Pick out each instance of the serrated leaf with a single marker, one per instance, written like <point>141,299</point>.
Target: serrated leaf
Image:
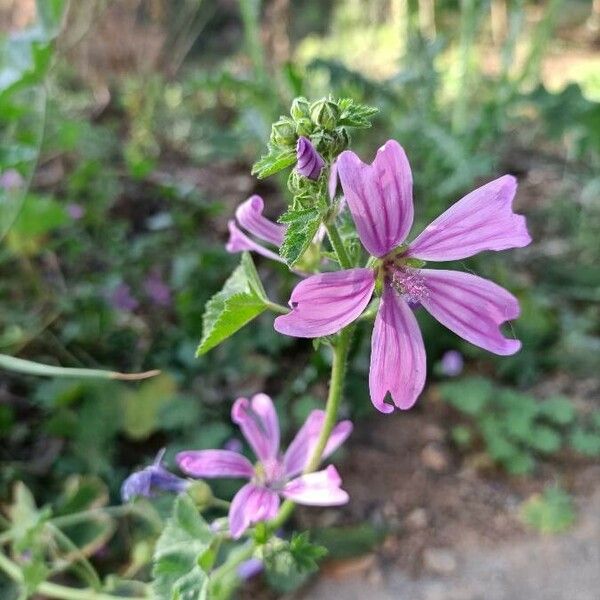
<point>186,537</point>
<point>469,395</point>
<point>242,299</point>
<point>302,226</point>
<point>355,115</point>
<point>273,162</point>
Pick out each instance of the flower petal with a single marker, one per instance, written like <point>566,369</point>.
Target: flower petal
<point>302,446</point>
<point>251,505</point>
<point>250,216</point>
<point>379,196</point>
<point>325,303</point>
<point>214,463</point>
<point>398,362</point>
<point>482,220</point>
<point>317,489</point>
<point>472,307</point>
<point>239,242</point>
<point>259,423</point>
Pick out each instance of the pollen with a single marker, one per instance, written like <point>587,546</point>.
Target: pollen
<point>407,282</point>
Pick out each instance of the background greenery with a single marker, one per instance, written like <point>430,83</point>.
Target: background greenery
<point>128,131</point>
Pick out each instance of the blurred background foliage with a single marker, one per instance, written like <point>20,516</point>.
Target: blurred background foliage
<point>128,131</point>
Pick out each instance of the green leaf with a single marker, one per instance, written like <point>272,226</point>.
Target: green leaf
<point>544,439</point>
<point>305,553</point>
<point>347,542</point>
<point>585,442</point>
<point>559,410</point>
<point>242,299</point>
<point>273,162</point>
<point>355,115</point>
<point>550,512</point>
<point>50,14</point>
<point>469,395</point>
<point>142,407</point>
<point>303,225</point>
<point>184,541</point>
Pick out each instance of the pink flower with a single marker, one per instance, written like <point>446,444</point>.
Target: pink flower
<point>249,215</point>
<point>380,199</point>
<point>274,475</point>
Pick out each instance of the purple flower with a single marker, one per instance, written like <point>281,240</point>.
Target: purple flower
<point>310,162</point>
<point>452,363</point>
<point>121,299</point>
<point>158,291</point>
<point>11,179</point>
<point>380,199</point>
<point>249,568</point>
<point>144,482</point>
<point>274,474</point>
<point>75,211</point>
<point>249,215</point>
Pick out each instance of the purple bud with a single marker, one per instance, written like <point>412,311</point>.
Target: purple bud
<point>249,568</point>
<point>75,211</point>
<point>310,162</point>
<point>452,363</point>
<point>144,482</point>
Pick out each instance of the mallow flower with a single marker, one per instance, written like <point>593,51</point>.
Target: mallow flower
<point>275,475</point>
<point>249,216</point>
<point>148,480</point>
<point>380,199</point>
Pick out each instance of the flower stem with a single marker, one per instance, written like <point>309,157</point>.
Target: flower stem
<point>338,246</point>
<point>278,308</point>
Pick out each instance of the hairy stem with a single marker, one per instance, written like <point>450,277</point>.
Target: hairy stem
<point>338,246</point>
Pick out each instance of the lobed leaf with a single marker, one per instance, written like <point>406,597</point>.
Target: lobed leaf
<point>273,162</point>
<point>242,299</point>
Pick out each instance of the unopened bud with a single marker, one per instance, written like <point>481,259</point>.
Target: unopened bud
<point>300,109</point>
<point>304,126</point>
<point>325,114</point>
<point>283,132</point>
<point>310,162</point>
<point>200,493</point>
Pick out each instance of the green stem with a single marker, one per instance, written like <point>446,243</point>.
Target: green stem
<point>278,308</point>
<point>113,511</point>
<point>52,590</point>
<point>338,246</point>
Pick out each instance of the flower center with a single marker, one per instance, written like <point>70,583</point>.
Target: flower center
<point>407,282</point>
<point>270,473</point>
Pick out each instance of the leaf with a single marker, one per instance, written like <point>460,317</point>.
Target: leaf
<point>355,115</point>
<point>305,553</point>
<point>50,14</point>
<point>242,299</point>
<point>550,512</point>
<point>142,407</point>
<point>559,410</point>
<point>303,225</point>
<point>185,539</point>
<point>273,162</point>
<point>469,395</point>
<point>544,439</point>
<point>348,542</point>
<point>585,442</point>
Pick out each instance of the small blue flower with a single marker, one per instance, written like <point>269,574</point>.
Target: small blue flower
<point>146,481</point>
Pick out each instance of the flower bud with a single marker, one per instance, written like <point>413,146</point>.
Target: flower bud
<point>310,162</point>
<point>325,114</point>
<point>283,132</point>
<point>300,109</point>
<point>200,493</point>
<point>304,126</point>
<point>340,141</point>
